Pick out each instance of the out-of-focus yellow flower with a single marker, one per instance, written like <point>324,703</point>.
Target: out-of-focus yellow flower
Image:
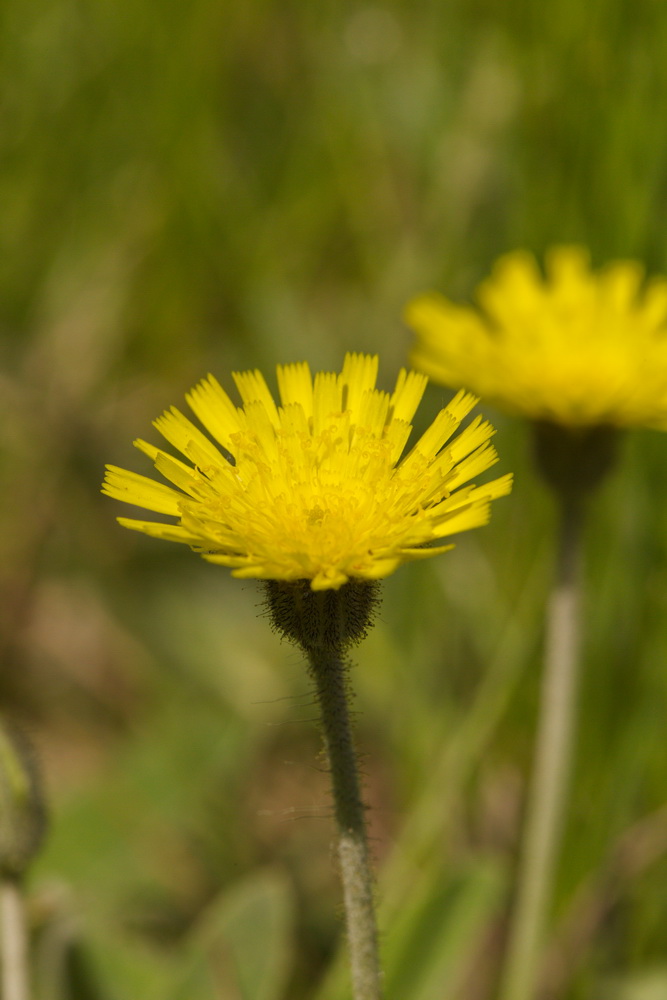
<point>576,348</point>
<point>314,489</point>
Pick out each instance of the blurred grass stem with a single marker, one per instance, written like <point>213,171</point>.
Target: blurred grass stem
<point>548,788</point>
<point>13,941</point>
<point>329,670</point>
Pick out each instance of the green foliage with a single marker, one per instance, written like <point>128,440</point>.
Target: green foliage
<point>203,186</point>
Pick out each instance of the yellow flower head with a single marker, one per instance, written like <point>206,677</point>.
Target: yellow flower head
<point>577,348</point>
<point>314,488</point>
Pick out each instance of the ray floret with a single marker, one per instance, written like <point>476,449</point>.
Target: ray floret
<point>574,347</point>
<point>313,487</point>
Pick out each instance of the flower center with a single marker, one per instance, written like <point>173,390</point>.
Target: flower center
<point>315,516</point>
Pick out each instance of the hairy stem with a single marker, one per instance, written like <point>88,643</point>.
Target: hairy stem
<point>547,793</point>
<point>328,669</point>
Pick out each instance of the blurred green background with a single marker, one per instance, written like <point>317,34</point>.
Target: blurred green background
<point>204,186</point>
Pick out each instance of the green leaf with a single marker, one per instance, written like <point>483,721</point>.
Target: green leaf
<point>427,952</point>
<point>247,935</point>
<point>646,985</point>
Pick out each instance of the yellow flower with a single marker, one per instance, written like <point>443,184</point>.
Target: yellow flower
<point>577,348</point>
<point>314,489</point>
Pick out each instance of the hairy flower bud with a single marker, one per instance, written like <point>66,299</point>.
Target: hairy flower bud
<point>326,619</point>
<point>22,813</point>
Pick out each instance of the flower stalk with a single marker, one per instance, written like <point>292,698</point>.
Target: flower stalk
<point>547,795</point>
<point>328,669</point>
<point>22,825</point>
<point>573,464</point>
<point>324,624</point>
<point>13,942</point>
